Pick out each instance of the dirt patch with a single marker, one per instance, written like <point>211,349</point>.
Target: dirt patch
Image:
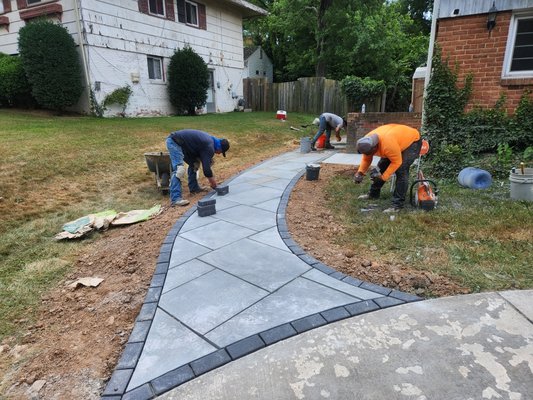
<point>71,351</point>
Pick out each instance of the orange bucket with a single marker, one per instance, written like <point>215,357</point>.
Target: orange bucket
<point>321,142</point>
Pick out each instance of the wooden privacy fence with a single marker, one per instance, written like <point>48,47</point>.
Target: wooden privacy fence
<point>306,95</point>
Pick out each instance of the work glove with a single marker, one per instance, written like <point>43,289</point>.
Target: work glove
<point>212,182</point>
<point>375,175</point>
<point>180,172</point>
<point>358,178</point>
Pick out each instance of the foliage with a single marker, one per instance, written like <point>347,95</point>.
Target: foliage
<point>372,39</point>
<point>119,96</point>
<point>465,138</point>
<point>358,90</point>
<point>15,91</point>
<point>97,109</point>
<point>52,64</point>
<point>188,80</point>
<point>528,155</point>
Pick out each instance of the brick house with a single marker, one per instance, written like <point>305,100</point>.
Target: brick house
<point>492,40</point>
<point>130,42</point>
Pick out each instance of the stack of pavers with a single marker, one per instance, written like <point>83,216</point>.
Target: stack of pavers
<point>206,207</point>
<point>222,190</point>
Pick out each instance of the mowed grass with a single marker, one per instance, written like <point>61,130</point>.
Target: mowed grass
<point>480,238</point>
<point>57,169</point>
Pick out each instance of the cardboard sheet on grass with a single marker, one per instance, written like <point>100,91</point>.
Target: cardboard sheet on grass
<point>103,220</point>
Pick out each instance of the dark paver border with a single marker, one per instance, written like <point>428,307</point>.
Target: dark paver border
<point>117,384</point>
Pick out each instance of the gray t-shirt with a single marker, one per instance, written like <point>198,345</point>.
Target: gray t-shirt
<point>333,120</point>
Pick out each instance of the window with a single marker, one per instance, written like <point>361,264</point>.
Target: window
<point>191,13</point>
<point>30,2</point>
<point>519,52</point>
<point>155,68</point>
<point>157,7</point>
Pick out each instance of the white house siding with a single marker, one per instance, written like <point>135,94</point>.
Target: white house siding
<point>118,38</point>
<point>455,8</point>
<point>256,64</point>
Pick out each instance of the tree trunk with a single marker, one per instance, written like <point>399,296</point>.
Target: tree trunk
<point>320,68</point>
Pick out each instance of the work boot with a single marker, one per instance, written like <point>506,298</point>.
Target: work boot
<point>329,146</point>
<point>313,148</point>
<point>200,189</point>
<point>179,202</point>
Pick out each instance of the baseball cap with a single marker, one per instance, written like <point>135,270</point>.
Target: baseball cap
<point>224,144</point>
<point>367,144</point>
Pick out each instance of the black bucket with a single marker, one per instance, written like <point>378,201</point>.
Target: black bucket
<point>312,171</point>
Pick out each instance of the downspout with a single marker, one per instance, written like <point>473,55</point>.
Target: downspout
<point>433,34</point>
<point>77,6</point>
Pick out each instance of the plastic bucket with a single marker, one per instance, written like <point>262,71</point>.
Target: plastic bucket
<point>321,142</point>
<point>305,145</point>
<point>521,184</point>
<point>474,178</point>
<point>312,171</point>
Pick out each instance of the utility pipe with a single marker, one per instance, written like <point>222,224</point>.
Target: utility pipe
<point>434,17</point>
<point>77,6</point>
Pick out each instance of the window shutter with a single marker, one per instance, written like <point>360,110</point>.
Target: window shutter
<point>143,6</point>
<point>181,11</point>
<point>7,5</point>
<point>21,4</point>
<point>169,8</point>
<point>202,19</point>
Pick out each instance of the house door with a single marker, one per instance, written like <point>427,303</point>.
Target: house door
<point>210,103</point>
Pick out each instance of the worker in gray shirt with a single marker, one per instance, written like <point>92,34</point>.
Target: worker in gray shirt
<point>327,122</point>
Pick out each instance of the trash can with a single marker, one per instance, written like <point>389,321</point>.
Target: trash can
<point>312,171</point>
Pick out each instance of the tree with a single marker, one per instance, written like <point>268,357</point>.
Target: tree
<point>188,81</point>
<point>51,63</point>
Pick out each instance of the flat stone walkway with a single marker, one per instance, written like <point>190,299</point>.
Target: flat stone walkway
<point>232,283</point>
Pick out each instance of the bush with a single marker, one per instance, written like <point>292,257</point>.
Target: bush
<point>52,64</point>
<point>15,90</point>
<point>188,81</point>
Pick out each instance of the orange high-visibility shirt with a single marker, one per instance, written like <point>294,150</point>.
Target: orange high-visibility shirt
<point>393,139</point>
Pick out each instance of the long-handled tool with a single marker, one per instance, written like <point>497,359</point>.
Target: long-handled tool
<point>426,194</point>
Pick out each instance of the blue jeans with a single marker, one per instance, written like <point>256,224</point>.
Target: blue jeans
<point>323,126</point>
<point>176,158</point>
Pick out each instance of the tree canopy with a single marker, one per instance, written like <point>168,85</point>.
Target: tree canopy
<point>381,40</point>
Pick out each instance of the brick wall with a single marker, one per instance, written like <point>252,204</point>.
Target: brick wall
<point>466,41</point>
<point>360,124</point>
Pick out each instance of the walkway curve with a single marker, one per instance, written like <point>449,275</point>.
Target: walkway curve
<point>230,284</point>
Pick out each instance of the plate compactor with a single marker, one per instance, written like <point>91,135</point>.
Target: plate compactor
<point>424,192</point>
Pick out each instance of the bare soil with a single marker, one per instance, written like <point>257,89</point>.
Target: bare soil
<point>72,349</point>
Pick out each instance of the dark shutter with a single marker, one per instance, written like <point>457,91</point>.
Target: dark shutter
<point>169,8</point>
<point>21,4</point>
<point>202,19</point>
<point>143,6</point>
<point>7,5</point>
<point>181,11</point>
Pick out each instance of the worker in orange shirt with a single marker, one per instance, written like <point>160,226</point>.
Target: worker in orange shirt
<point>398,146</point>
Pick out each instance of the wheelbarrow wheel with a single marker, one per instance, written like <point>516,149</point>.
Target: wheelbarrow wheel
<point>165,182</point>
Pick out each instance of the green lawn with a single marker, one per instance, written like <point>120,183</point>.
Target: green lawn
<point>56,169</point>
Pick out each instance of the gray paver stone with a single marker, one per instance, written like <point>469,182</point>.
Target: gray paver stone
<point>207,202</point>
<point>140,331</point>
<point>278,333</point>
<point>158,280</point>
<point>161,268</point>
<point>210,362</point>
<point>335,314</point>
<point>404,296</point>
<point>130,355</point>
<point>147,312</point>
<point>172,379</point>
<point>245,346</point>
<point>308,259</point>
<point>338,275</point>
<point>206,211</point>
<point>375,288</point>
<point>324,268</point>
<point>153,295</point>
<point>143,392</point>
<point>361,307</point>
<point>352,281</point>
<point>118,382</point>
<point>385,302</point>
<point>309,322</point>
<point>163,257</point>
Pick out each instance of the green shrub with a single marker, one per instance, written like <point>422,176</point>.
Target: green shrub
<point>119,96</point>
<point>15,90</point>
<point>361,90</point>
<point>52,64</point>
<point>188,81</point>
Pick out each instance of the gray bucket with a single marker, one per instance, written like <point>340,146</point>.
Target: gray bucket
<point>312,171</point>
<point>305,145</point>
<point>521,184</point>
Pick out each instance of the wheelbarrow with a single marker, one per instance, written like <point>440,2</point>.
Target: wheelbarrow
<point>159,163</point>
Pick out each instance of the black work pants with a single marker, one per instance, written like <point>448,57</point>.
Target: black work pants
<point>409,155</point>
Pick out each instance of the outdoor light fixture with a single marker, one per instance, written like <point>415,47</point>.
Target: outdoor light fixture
<point>491,20</point>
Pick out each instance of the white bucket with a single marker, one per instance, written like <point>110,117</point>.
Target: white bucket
<point>521,184</point>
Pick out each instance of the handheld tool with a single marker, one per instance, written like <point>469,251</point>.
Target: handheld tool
<point>426,194</point>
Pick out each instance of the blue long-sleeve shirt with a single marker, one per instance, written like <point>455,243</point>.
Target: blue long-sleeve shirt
<point>196,145</point>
